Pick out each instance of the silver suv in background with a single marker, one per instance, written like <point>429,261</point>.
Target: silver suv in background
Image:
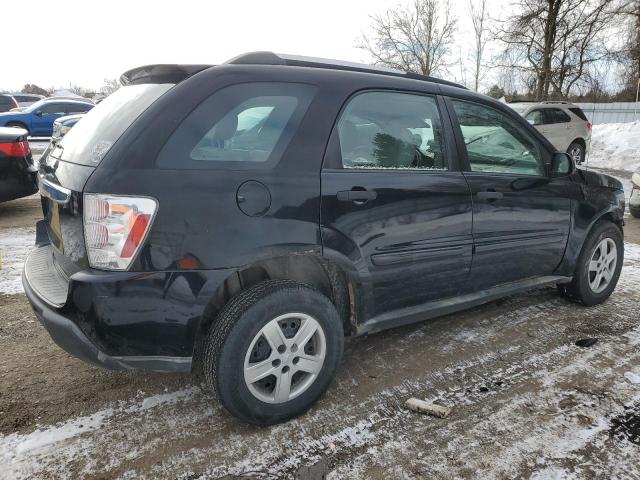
<point>564,124</point>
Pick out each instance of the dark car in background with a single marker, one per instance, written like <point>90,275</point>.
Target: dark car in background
<point>252,214</point>
<point>7,102</point>
<point>17,171</point>
<point>38,118</point>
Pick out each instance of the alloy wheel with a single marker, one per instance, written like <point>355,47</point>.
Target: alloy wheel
<point>602,265</point>
<point>284,358</point>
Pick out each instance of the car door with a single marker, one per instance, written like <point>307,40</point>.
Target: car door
<point>521,217</point>
<point>393,202</point>
<point>43,118</point>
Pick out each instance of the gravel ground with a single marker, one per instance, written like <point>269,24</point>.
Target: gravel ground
<point>526,401</point>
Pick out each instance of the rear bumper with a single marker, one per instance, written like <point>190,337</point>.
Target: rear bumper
<point>70,338</point>
<point>120,320</point>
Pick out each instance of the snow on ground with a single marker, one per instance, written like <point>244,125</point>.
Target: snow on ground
<point>15,245</point>
<point>615,146</point>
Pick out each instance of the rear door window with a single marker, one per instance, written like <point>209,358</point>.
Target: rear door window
<point>557,116</point>
<point>238,126</point>
<point>389,130</point>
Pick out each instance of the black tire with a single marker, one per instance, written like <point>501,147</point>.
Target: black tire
<point>635,211</point>
<point>579,290</point>
<point>240,322</point>
<point>576,151</point>
<point>18,125</point>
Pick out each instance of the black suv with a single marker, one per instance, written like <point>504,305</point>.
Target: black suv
<point>252,214</point>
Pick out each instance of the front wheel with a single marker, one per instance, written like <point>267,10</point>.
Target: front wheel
<point>273,351</point>
<point>598,267</point>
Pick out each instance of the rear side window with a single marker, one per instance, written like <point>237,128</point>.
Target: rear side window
<point>556,115</point>
<point>578,112</point>
<point>238,126</point>
<point>392,131</point>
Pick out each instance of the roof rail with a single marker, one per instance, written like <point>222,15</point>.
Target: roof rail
<point>270,58</point>
<point>557,101</point>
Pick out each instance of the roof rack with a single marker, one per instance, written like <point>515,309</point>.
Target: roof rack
<point>556,101</point>
<point>270,58</point>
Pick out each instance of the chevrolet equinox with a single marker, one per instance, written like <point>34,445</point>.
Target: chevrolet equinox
<point>252,214</point>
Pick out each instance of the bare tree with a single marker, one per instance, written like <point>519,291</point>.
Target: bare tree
<point>556,41</point>
<point>110,86</point>
<point>631,50</point>
<point>479,18</point>
<point>415,38</point>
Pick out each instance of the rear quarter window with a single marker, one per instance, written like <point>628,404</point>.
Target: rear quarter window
<point>242,126</point>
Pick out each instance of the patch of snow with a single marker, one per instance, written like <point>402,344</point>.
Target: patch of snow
<point>15,245</point>
<point>551,473</point>
<point>615,146</point>
<point>21,454</point>
<point>632,377</point>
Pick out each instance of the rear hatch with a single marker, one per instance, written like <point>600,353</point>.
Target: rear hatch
<point>64,173</point>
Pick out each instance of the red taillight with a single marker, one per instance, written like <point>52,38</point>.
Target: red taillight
<point>589,126</point>
<point>15,149</point>
<point>139,223</point>
<point>115,227</point>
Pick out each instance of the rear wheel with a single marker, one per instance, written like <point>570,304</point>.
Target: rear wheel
<point>18,125</point>
<point>576,152</point>
<point>598,267</point>
<point>273,351</point>
<point>635,211</point>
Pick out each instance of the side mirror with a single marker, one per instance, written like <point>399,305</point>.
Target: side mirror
<point>561,165</point>
<point>38,113</point>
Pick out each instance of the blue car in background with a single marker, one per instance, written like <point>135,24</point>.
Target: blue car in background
<point>38,118</point>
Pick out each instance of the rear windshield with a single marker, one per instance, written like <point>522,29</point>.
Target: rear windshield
<point>89,140</point>
<point>578,111</point>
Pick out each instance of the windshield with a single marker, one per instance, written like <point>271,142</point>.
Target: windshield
<point>92,137</point>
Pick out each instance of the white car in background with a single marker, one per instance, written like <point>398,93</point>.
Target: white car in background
<point>634,200</point>
<point>564,124</point>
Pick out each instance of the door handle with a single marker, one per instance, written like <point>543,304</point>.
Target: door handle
<point>358,196</point>
<point>490,195</point>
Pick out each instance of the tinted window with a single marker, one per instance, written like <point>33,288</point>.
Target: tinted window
<point>26,98</point>
<point>89,140</point>
<point>556,115</point>
<point>4,100</point>
<point>238,126</point>
<point>77,107</point>
<point>392,130</point>
<point>578,111</point>
<point>51,108</point>
<point>495,142</point>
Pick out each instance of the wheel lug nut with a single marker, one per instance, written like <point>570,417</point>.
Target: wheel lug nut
<point>296,360</point>
<point>285,369</point>
<point>282,349</point>
<point>294,348</point>
<point>276,362</point>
